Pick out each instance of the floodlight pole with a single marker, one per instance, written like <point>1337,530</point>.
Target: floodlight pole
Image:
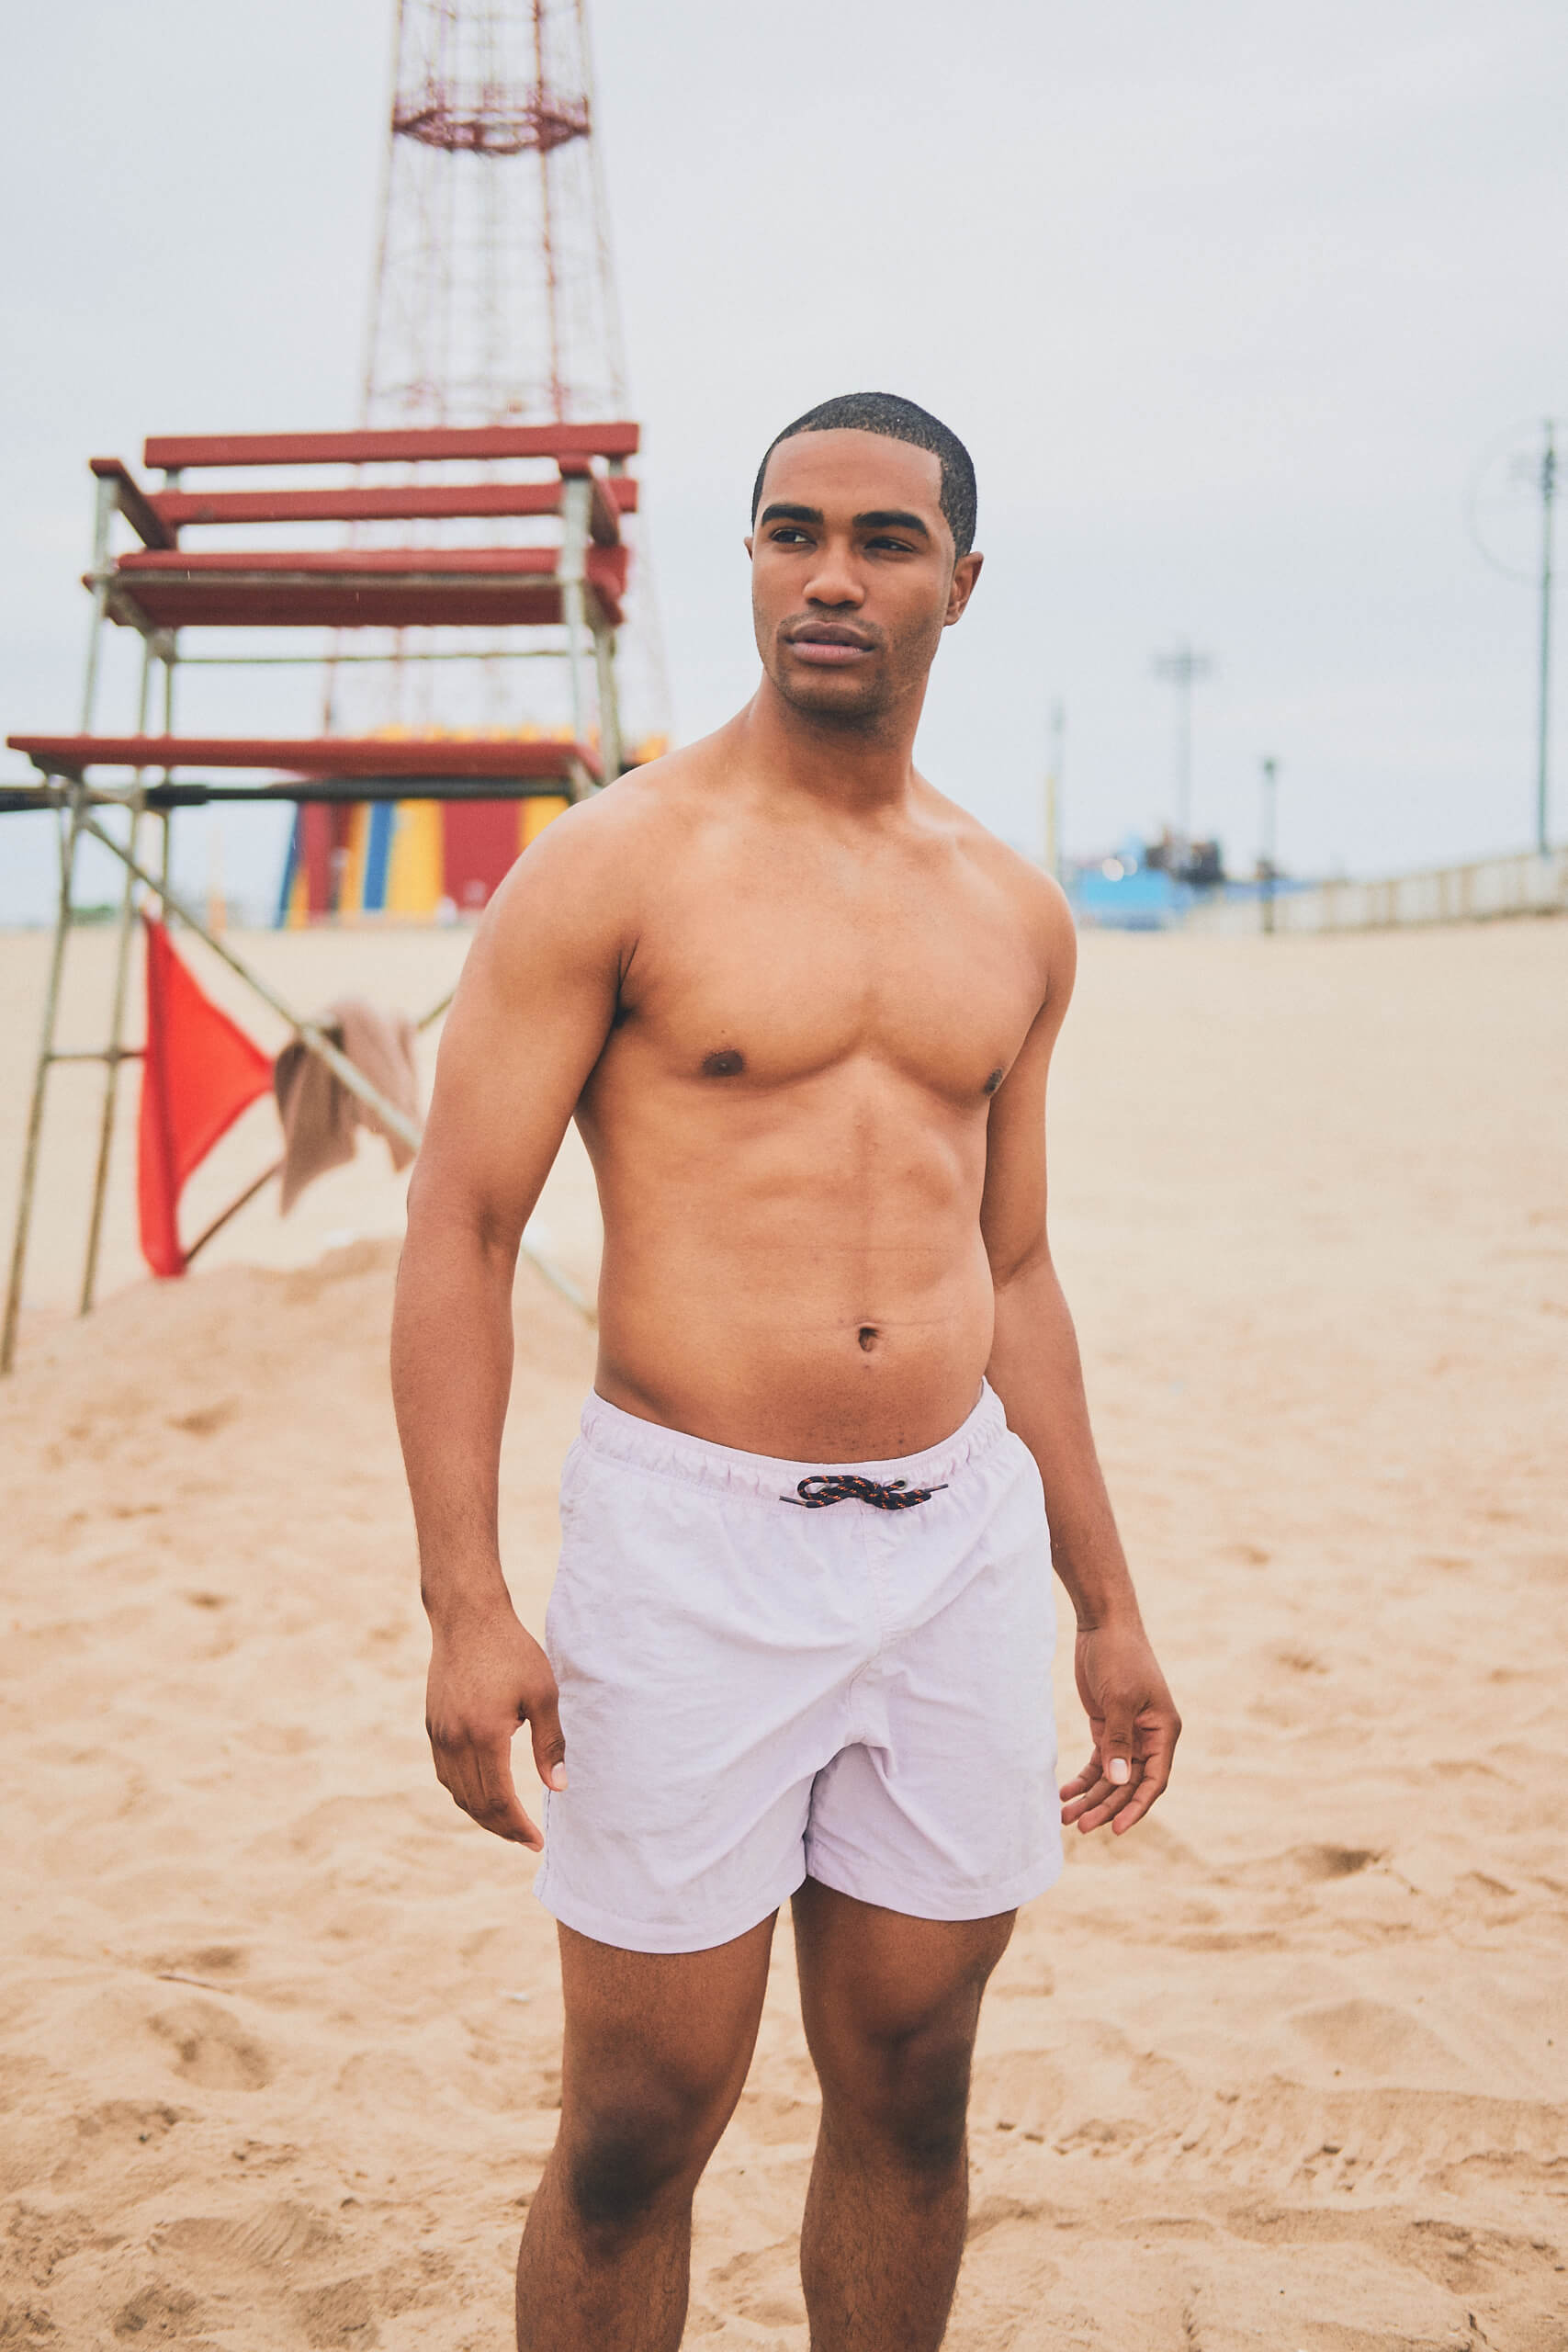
<point>1542,773</point>
<point>1270,768</point>
<point>1054,793</point>
<point>1183,667</point>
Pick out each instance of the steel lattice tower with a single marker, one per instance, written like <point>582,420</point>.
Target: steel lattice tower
<point>494,300</point>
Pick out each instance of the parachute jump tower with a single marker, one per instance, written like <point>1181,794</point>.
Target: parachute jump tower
<point>492,303</point>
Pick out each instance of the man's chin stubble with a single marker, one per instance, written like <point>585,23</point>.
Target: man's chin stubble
<point>843,718</point>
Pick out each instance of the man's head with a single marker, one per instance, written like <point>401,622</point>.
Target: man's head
<point>895,420</point>
<point>863,525</point>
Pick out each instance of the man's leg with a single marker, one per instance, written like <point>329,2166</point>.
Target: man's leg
<point>656,2051</point>
<point>890,2005</point>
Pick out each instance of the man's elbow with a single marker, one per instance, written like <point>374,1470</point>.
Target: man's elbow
<point>1016,1269</point>
<point>450,1217</point>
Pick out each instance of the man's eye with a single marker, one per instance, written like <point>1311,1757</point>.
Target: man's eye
<point>898,547</point>
<point>784,533</point>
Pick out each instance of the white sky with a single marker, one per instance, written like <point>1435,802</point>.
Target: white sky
<point>1228,301</point>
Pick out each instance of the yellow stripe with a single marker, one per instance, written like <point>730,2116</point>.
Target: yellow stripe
<point>538,813</point>
<point>414,865</point>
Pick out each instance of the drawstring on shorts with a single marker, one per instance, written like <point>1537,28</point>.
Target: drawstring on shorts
<point>815,1493</point>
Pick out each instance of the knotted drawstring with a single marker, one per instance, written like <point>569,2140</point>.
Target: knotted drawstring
<point>817,1493</point>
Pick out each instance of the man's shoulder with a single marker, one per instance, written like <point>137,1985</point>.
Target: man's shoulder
<point>601,847</point>
<point>1031,894</point>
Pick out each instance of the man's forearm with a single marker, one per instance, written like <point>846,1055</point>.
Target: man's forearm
<point>451,1377</point>
<point>1037,1371</point>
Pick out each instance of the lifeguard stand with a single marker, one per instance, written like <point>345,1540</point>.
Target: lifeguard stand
<point>548,584</point>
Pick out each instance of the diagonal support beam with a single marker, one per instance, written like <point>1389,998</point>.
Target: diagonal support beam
<point>318,1043</point>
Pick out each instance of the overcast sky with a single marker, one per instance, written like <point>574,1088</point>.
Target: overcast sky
<point>1228,301</point>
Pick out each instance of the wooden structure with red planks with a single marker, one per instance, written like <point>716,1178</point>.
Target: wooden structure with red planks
<point>545,581</point>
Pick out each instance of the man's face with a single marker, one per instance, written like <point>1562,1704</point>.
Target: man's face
<point>852,574</point>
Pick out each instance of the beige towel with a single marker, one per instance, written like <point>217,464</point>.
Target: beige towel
<point>320,1116</point>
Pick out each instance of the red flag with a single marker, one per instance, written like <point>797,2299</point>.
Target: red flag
<point>199,1072</point>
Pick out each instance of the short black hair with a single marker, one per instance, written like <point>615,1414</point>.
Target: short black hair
<point>896,420</point>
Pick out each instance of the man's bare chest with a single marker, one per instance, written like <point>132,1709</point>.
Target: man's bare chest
<point>770,978</point>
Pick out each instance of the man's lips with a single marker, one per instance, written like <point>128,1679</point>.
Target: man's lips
<point>827,645</point>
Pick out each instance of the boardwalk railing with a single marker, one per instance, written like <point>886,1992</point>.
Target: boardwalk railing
<point>1525,884</point>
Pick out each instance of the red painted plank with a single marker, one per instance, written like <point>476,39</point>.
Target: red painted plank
<point>326,755</point>
<point>364,604</point>
<point>340,562</point>
<point>361,587</point>
<point>407,445</point>
<point>138,510</point>
<point>178,508</point>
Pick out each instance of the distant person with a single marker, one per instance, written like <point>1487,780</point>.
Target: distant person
<point>802,1008</point>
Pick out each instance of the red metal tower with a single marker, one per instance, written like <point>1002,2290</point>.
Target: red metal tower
<point>494,300</point>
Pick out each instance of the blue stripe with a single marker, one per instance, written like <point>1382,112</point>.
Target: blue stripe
<point>290,865</point>
<point>378,856</point>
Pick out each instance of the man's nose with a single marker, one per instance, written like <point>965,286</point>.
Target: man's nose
<point>834,579</point>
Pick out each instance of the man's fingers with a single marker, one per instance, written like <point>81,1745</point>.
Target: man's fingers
<point>1116,1743</point>
<point>497,1795</point>
<point>1098,1789</point>
<point>1094,1799</point>
<point>1102,1804</point>
<point>550,1747</point>
<point>1132,1810</point>
<point>1151,1781</point>
<point>478,1780</point>
<point>1081,1782</point>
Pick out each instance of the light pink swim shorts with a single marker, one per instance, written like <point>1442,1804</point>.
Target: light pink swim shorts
<point>766,1675</point>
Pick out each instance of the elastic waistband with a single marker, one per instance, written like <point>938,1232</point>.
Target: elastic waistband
<point>670,1453</point>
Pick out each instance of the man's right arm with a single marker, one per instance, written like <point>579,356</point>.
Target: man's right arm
<point>527,1025</point>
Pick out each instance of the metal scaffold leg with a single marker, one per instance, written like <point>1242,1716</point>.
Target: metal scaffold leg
<point>113,1055</point>
<point>71,827</point>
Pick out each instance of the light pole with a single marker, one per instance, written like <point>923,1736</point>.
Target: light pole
<point>1054,793</point>
<point>1270,768</point>
<point>1495,517</point>
<point>1543,765</point>
<point>1183,667</point>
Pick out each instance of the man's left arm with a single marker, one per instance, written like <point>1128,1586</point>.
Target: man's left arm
<point>1037,1371</point>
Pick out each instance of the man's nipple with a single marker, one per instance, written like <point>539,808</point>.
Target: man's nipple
<point>727,1064</point>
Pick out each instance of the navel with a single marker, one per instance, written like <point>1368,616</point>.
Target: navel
<point>869,1336</point>
<point>727,1064</point>
<point>994,1081</point>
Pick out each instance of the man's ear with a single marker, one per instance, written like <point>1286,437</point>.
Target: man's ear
<point>747,543</point>
<point>966,572</point>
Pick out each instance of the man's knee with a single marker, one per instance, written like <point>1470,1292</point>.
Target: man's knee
<point>910,2099</point>
<point>625,2153</point>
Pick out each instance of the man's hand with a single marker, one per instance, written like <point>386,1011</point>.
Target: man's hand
<point>487,1676</point>
<point>1135,1727</point>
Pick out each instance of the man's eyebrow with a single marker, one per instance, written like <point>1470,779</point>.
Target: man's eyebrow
<point>891,518</point>
<point>880,518</point>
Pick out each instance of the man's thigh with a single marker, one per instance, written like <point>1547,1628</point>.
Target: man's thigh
<point>891,2003</point>
<point>659,2042</point>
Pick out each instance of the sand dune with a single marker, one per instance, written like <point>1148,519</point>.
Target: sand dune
<point>1287,2070</point>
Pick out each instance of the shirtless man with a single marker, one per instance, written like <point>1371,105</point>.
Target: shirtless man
<point>802,1008</point>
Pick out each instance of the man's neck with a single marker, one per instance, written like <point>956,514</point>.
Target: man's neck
<point>863,770</point>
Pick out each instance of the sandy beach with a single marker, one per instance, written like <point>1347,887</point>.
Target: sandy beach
<point>1287,2069</point>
